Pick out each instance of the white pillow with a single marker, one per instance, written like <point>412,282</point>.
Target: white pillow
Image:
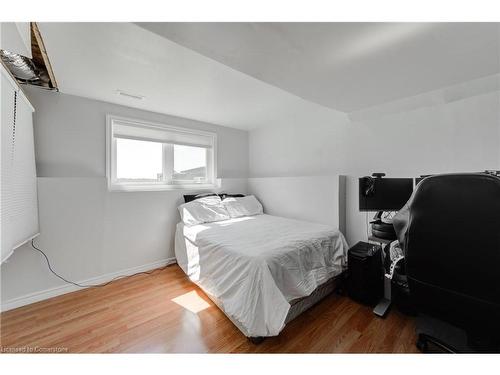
<point>203,210</point>
<point>245,206</point>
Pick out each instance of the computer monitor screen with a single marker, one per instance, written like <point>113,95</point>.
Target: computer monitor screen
<point>386,194</point>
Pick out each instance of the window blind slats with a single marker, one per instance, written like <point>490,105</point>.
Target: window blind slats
<point>19,205</point>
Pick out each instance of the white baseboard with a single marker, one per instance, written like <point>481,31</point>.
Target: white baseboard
<point>68,288</point>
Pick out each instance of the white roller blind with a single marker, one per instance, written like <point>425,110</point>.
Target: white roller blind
<point>163,134</point>
<point>19,205</point>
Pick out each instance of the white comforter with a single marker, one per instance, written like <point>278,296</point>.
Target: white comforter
<point>254,266</point>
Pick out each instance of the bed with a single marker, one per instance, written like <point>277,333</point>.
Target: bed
<point>261,271</point>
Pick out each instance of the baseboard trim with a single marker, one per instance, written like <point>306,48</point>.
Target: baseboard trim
<point>68,288</point>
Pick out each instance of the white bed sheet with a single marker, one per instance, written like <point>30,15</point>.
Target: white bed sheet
<point>254,266</point>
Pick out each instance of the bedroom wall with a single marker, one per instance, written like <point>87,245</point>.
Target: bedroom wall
<point>284,196</point>
<point>432,133</point>
<point>90,234</point>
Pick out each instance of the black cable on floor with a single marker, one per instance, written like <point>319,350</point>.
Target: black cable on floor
<point>91,285</point>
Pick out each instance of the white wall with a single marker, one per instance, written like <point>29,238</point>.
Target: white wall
<point>88,233</point>
<point>450,136</point>
<point>70,136</point>
<point>318,199</point>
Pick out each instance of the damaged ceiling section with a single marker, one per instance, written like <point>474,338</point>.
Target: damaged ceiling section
<point>35,71</point>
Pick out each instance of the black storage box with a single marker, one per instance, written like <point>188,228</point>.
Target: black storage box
<point>365,281</point>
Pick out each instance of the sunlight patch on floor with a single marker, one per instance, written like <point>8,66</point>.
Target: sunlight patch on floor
<point>192,301</point>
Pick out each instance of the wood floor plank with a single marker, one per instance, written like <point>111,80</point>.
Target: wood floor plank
<point>165,313</point>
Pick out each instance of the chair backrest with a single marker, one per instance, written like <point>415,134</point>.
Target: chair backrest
<point>452,245</point>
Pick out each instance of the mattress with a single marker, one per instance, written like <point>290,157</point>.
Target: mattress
<point>254,266</point>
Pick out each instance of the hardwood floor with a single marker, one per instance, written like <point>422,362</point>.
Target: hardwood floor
<point>165,313</point>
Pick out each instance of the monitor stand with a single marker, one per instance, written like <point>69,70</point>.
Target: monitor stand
<point>382,307</point>
<point>385,303</point>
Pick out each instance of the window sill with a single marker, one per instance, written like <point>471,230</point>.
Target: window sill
<point>146,187</point>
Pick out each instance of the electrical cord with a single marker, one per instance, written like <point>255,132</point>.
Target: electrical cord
<point>91,285</point>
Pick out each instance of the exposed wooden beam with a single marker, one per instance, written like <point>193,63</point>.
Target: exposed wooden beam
<point>40,56</point>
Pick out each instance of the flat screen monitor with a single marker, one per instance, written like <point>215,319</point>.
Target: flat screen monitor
<point>388,194</point>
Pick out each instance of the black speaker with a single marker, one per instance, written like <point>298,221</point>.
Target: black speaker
<point>365,282</point>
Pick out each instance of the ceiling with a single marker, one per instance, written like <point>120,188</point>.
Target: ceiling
<point>347,66</point>
<point>248,75</point>
<point>94,60</point>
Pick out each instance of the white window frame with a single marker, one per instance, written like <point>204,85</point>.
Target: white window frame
<point>115,185</point>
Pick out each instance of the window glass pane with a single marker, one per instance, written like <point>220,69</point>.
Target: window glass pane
<point>190,163</point>
<point>138,160</point>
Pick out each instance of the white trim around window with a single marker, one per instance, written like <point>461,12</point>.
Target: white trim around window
<point>118,127</point>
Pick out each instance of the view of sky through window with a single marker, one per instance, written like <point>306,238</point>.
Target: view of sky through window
<point>138,160</point>
<point>143,160</point>
<point>188,157</point>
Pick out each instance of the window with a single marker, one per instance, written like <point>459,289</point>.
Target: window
<point>146,156</point>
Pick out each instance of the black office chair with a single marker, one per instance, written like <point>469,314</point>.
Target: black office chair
<point>450,233</point>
